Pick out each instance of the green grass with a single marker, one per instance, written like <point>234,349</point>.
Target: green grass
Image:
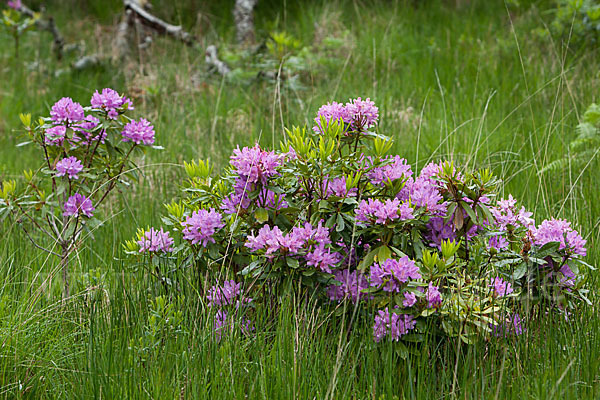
<point>481,93</point>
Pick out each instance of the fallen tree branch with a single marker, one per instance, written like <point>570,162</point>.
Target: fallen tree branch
<point>214,63</point>
<point>157,24</point>
<point>46,24</point>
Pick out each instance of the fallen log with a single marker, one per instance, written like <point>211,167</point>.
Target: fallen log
<point>157,24</point>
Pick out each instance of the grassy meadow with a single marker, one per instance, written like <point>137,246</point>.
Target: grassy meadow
<point>468,82</point>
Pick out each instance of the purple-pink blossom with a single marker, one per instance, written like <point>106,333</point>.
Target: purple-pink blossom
<point>268,239</point>
<point>438,231</point>
<point>201,226</point>
<point>424,193</point>
<point>433,296</point>
<point>391,324</point>
<point>375,211</point>
<point>230,293</point>
<point>559,230</point>
<point>330,113</point>
<point>254,164</point>
<point>66,111</point>
<point>70,166</point>
<point>322,258</point>
<point>393,168</point>
<point>55,136</point>
<point>508,326</point>
<point>110,101</point>
<point>391,274</point>
<point>363,114</point>
<point>300,237</point>
<point>139,132</point>
<point>154,241</point>
<point>78,204</point>
<point>410,299</point>
<point>16,4</point>
<point>351,285</point>
<point>359,115</point>
<point>506,215</point>
<point>501,287</point>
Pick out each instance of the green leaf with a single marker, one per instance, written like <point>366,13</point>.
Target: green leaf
<point>292,262</point>
<point>520,271</point>
<point>340,225</point>
<point>261,215</point>
<point>384,253</point>
<point>368,260</point>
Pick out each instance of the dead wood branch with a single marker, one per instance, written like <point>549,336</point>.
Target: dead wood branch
<point>47,24</point>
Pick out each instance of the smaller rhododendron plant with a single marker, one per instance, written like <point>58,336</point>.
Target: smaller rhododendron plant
<point>230,305</point>
<point>332,215</point>
<point>85,153</point>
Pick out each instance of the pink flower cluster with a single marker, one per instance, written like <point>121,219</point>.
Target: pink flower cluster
<point>139,132</point>
<point>229,294</point>
<point>433,296</point>
<point>358,115</point>
<point>392,274</point>
<point>66,114</point>
<point>375,211</point>
<point>70,166</point>
<point>110,101</point>
<point>78,204</point>
<point>559,230</point>
<point>506,215</point>
<point>255,165</point>
<point>351,285</point>
<point>154,241</point>
<point>201,226</point>
<point>16,4</point>
<point>391,324</point>
<point>337,187</point>
<point>394,168</point>
<point>308,240</point>
<point>66,111</point>
<point>501,287</point>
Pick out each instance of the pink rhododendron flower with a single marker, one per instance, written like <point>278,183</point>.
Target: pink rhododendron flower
<point>66,111</point>
<point>376,211</point>
<point>201,226</point>
<point>352,284</point>
<point>154,241</point>
<point>433,296</point>
<point>559,230</point>
<point>391,324</point>
<point>70,166</point>
<point>139,132</point>
<point>78,204</point>
<point>110,101</point>
<point>55,136</point>
<point>501,287</point>
<point>392,274</point>
<point>395,167</point>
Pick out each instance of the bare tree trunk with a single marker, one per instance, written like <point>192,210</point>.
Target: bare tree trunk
<point>243,14</point>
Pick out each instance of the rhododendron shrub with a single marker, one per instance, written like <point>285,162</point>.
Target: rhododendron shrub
<point>332,214</point>
<point>85,153</point>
